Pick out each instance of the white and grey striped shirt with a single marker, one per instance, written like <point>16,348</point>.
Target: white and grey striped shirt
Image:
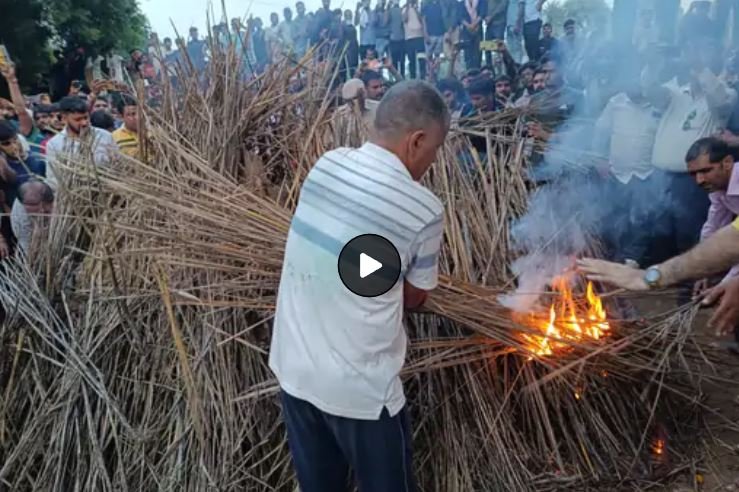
<point>339,351</point>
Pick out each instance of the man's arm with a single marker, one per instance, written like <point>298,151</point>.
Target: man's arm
<point>720,97</point>
<point>423,272</point>
<point>24,120</point>
<point>413,297</point>
<point>521,13</point>
<point>716,254</point>
<point>603,130</point>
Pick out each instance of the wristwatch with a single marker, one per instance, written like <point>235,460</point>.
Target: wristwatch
<point>653,277</point>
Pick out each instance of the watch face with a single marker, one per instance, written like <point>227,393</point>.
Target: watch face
<point>652,276</point>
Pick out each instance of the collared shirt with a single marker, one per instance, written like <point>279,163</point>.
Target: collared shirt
<point>341,352</point>
<point>127,141</point>
<point>624,134</point>
<point>103,149</point>
<point>690,117</point>
<point>724,209</point>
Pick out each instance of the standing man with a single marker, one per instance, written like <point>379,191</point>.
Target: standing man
<point>529,23</point>
<point>127,136</point>
<point>495,24</point>
<point>624,138</point>
<point>548,44</point>
<point>321,21</point>
<point>259,42</point>
<point>273,40</point>
<point>301,30</point>
<point>434,29</point>
<point>514,31</point>
<point>286,32</point>
<point>694,108</point>
<point>570,46</point>
<point>414,37</point>
<point>77,134</point>
<point>349,36</point>
<point>336,355</point>
<point>196,49</point>
<point>364,18</point>
<point>397,36</point>
<point>474,10</point>
<point>382,29</point>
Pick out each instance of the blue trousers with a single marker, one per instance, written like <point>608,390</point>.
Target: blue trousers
<point>325,447</point>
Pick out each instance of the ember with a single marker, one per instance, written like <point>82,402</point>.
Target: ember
<point>568,320</point>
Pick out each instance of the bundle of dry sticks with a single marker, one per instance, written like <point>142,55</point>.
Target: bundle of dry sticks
<point>135,344</point>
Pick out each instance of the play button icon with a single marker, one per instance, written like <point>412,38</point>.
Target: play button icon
<point>369,265</point>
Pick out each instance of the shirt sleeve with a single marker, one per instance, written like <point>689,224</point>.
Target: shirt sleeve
<point>602,134</point>
<point>51,161</point>
<point>718,216</point>
<point>423,270</point>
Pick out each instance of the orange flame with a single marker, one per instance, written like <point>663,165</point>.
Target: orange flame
<point>568,320</point>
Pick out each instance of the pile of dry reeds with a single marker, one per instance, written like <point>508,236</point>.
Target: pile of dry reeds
<point>135,345</point>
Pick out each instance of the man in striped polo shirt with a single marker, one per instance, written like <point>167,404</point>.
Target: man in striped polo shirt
<point>337,355</point>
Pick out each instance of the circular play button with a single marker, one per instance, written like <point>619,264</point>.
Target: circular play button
<point>369,265</point>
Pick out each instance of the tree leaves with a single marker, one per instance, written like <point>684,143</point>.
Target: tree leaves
<point>32,28</point>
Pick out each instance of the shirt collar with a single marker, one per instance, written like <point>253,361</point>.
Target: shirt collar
<point>385,156</point>
<point>733,188</point>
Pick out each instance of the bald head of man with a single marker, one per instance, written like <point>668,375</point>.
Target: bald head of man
<point>37,197</point>
<point>412,122</point>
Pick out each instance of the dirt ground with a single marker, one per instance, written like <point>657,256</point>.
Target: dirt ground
<point>720,469</point>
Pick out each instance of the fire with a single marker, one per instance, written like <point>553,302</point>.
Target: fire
<point>568,320</point>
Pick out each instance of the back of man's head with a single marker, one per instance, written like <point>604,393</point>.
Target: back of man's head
<point>36,191</point>
<point>412,121</point>
<point>72,104</point>
<point>40,109</point>
<point>481,86</point>
<point>7,131</point>
<point>102,119</point>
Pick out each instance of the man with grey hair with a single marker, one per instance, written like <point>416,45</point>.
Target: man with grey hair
<point>338,354</point>
<point>34,198</point>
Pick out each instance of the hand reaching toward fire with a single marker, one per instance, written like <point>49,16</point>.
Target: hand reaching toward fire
<point>617,274</point>
<point>726,316</point>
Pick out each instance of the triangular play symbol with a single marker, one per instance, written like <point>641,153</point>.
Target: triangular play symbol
<point>367,265</point>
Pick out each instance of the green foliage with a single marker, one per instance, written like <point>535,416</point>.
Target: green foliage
<point>98,25</point>
<point>29,28</point>
<point>589,14</point>
<point>25,34</point>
